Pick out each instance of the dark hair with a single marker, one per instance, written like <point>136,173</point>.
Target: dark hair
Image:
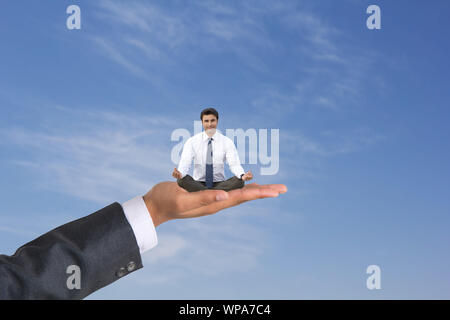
<point>209,111</point>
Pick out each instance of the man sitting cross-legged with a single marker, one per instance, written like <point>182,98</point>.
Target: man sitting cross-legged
<point>210,150</point>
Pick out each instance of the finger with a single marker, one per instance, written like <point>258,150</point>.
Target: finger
<point>193,200</point>
<point>281,188</point>
<point>236,197</point>
<point>252,193</point>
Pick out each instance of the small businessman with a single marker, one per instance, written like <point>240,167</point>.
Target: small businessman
<point>209,150</point>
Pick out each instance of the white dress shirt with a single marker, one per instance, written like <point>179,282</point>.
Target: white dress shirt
<point>223,151</point>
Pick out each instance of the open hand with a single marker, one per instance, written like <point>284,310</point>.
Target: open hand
<point>167,201</point>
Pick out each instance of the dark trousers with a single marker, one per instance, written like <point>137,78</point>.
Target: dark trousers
<point>188,183</point>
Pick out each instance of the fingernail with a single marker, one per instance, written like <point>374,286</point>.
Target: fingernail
<point>221,196</point>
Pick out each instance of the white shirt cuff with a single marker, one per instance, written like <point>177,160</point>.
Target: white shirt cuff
<point>238,171</point>
<point>141,222</point>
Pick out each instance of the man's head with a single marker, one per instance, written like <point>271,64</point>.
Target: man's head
<point>210,118</point>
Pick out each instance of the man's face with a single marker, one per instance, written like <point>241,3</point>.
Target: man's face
<point>209,123</point>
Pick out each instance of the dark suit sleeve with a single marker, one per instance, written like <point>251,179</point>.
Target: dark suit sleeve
<point>101,244</point>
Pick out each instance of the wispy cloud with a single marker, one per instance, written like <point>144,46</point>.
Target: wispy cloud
<point>330,143</point>
<point>303,156</point>
<point>315,31</point>
<point>116,55</point>
<point>329,71</point>
<point>98,156</point>
<point>163,34</point>
<point>16,231</point>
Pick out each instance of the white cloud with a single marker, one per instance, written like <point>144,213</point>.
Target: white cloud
<point>144,37</point>
<point>99,156</point>
<point>329,143</point>
<point>166,35</point>
<point>115,55</point>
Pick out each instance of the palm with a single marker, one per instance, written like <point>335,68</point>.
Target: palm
<point>168,201</point>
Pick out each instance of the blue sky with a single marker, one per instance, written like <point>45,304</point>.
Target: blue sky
<point>87,117</point>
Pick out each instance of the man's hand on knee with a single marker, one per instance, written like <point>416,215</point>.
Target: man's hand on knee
<point>176,174</point>
<point>248,176</point>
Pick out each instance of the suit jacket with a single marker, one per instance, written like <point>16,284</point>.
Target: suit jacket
<point>101,244</point>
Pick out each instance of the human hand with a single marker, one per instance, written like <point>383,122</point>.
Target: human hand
<point>248,176</point>
<point>176,174</point>
<point>167,201</point>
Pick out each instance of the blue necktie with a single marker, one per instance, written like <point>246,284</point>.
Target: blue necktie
<point>209,165</point>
